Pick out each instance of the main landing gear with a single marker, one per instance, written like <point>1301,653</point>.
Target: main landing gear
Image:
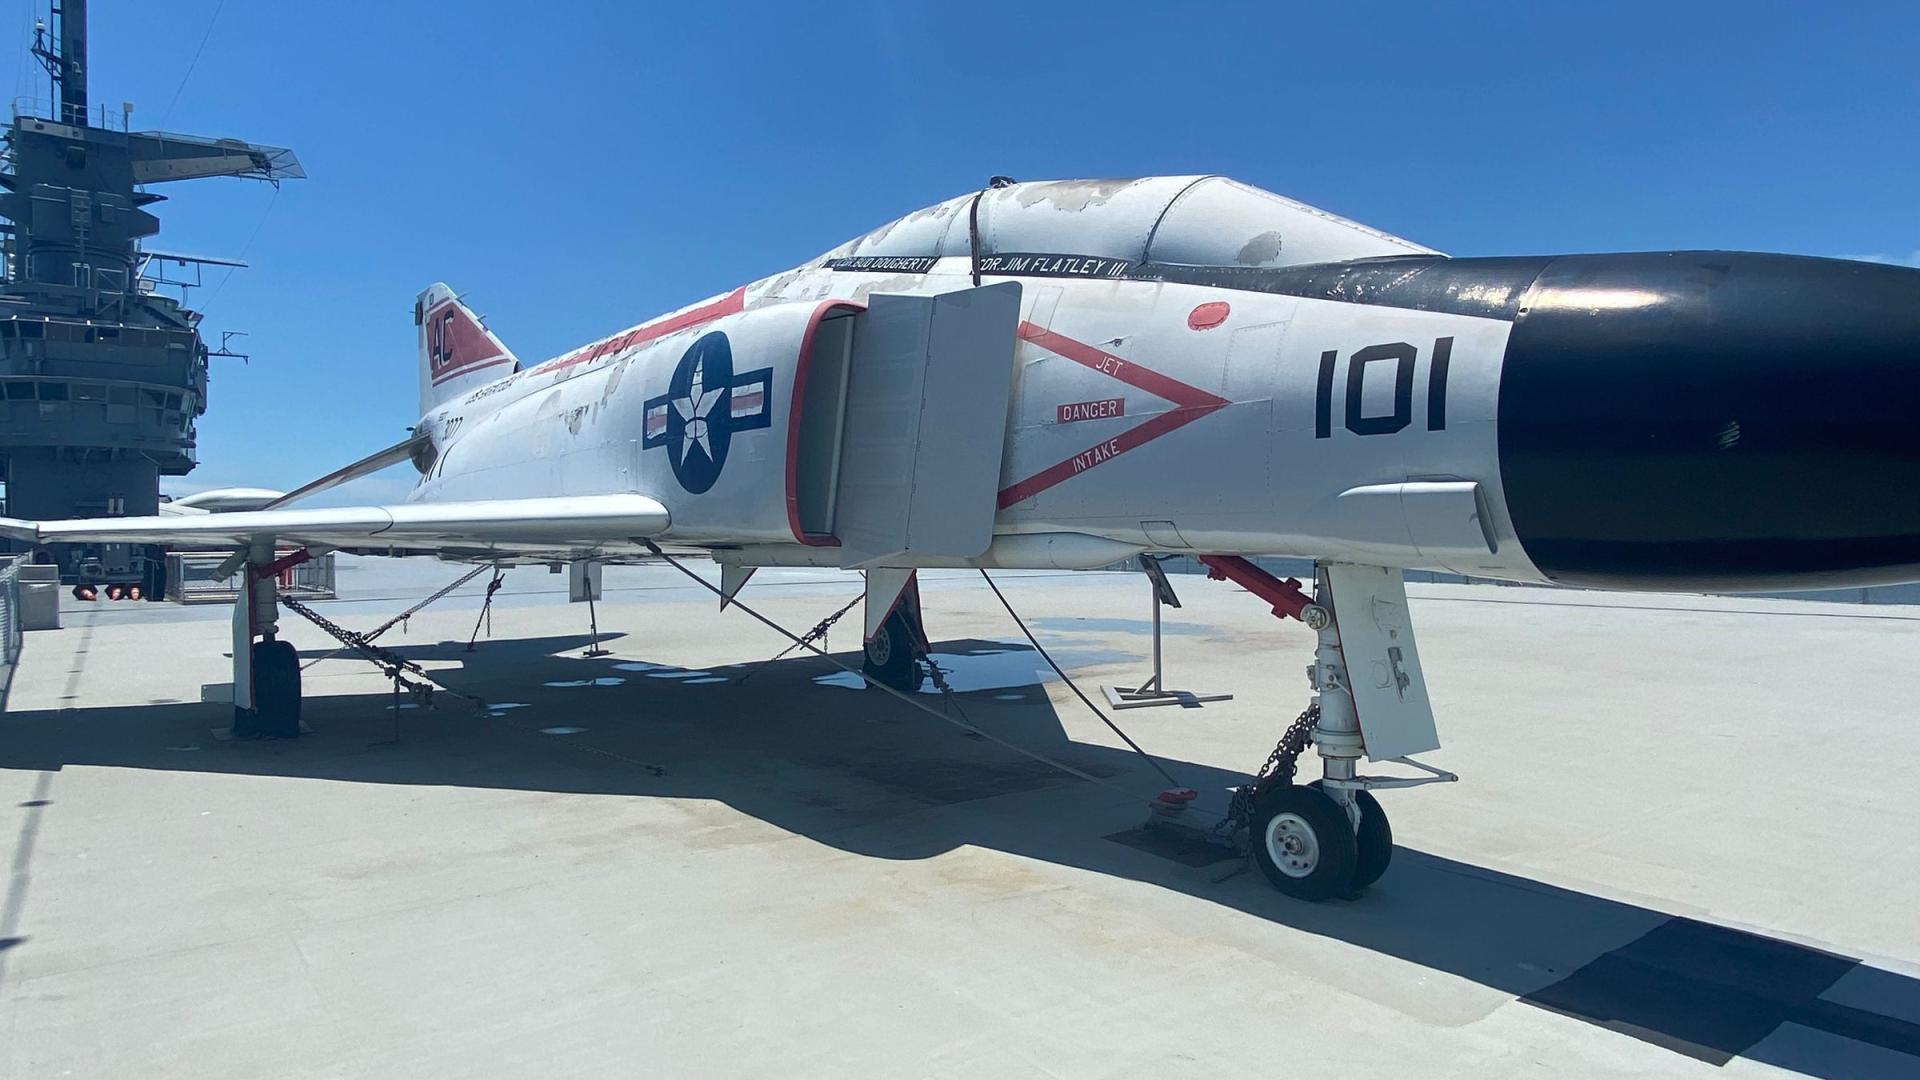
<point>1330,838</point>
<point>893,654</point>
<point>266,673</point>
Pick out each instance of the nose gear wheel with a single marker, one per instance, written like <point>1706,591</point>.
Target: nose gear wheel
<point>1303,843</point>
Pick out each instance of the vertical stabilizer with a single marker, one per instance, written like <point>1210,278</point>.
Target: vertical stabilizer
<point>457,352</point>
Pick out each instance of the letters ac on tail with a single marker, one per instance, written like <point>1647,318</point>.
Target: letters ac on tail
<point>457,351</point>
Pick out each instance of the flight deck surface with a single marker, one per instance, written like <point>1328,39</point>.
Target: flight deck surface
<point>1682,845</point>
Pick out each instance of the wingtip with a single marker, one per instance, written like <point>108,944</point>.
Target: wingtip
<point>20,529</point>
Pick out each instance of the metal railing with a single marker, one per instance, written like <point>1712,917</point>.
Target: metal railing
<point>10,629</point>
<point>190,578</point>
<point>99,116</point>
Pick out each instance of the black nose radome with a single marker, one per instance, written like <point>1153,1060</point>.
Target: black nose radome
<point>1715,421</point>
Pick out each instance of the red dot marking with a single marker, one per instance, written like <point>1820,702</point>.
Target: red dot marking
<point>1208,315</point>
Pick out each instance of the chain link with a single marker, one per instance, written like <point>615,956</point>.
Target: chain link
<point>1279,769</point>
<point>486,607</point>
<point>820,628</point>
<point>403,620</point>
<point>391,663</point>
<point>947,700</point>
<point>805,641</point>
<point>938,676</point>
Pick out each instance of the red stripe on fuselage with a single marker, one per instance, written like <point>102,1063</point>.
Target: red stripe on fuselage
<point>1191,403</point>
<point>731,304</point>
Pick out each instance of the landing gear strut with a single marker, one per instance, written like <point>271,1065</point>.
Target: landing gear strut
<point>1307,839</point>
<point>266,673</point>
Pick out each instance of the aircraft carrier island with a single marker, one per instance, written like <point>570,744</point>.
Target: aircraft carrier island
<point>103,373</point>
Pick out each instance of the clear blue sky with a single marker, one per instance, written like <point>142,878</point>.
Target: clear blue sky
<point>575,176</point>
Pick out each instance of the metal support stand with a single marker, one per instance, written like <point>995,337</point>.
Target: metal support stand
<point>486,609</point>
<point>593,631</point>
<point>395,741</point>
<point>1154,691</point>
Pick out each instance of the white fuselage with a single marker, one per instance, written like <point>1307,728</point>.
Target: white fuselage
<point>1153,415</point>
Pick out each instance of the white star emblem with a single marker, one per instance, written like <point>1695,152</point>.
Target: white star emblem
<point>693,408</point>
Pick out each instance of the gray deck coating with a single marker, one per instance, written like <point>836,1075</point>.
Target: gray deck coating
<point>1685,844</point>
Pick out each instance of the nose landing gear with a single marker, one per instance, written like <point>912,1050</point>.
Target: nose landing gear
<point>1330,837</point>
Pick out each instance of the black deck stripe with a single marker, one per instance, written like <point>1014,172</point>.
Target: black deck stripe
<point>1713,993</point>
<point>1860,1025</point>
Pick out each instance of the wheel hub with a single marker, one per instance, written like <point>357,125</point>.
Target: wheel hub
<point>1292,846</point>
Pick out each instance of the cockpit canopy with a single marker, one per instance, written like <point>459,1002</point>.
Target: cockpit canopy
<point>1185,220</point>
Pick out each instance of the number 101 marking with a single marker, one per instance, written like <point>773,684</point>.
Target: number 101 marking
<point>1403,356</point>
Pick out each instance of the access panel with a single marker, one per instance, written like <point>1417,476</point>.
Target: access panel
<point>926,424</point>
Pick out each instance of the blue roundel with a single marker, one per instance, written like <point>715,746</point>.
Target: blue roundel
<point>699,412</point>
<point>704,405</point>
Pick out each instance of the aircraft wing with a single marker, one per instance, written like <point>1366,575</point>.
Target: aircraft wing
<point>558,525</point>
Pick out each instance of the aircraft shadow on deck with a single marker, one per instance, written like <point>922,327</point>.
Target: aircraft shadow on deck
<point>861,772</point>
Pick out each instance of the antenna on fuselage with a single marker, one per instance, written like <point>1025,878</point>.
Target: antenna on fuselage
<point>973,221</point>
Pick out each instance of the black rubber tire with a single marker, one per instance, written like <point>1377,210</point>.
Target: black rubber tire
<point>892,656</point>
<point>1374,839</point>
<point>1330,872</point>
<point>276,690</point>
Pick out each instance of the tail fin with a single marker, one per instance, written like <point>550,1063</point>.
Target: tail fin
<point>457,352</point>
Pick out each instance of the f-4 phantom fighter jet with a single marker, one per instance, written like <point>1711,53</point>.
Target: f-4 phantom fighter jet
<point>1066,374</point>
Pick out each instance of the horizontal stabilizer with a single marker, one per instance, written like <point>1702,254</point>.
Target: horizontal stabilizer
<point>366,466</point>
